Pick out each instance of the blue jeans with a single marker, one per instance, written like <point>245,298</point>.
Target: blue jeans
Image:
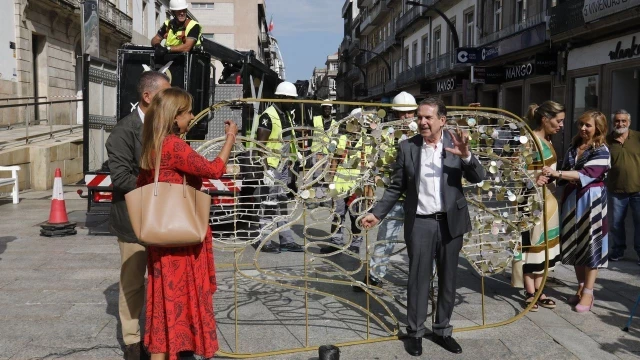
<point>621,202</point>
<point>390,231</point>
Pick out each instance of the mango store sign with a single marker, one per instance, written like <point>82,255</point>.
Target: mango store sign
<point>618,49</point>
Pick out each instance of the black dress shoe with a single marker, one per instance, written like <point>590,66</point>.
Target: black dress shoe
<point>330,249</point>
<point>270,248</point>
<point>448,343</point>
<point>413,345</point>
<point>292,247</point>
<point>372,282</point>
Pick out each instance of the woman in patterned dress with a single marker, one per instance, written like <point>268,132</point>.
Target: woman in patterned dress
<point>545,120</point>
<point>181,280</point>
<point>584,238</point>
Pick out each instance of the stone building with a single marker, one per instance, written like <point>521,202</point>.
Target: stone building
<point>43,61</point>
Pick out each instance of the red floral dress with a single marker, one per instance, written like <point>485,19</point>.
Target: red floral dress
<point>182,280</point>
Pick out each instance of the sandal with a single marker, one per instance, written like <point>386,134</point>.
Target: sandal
<point>528,299</point>
<point>546,303</point>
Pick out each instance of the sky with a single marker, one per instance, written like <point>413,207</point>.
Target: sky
<point>307,32</point>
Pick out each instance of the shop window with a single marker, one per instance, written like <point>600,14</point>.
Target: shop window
<point>585,95</point>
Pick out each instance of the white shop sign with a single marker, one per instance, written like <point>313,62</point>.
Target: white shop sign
<point>605,52</point>
<point>596,9</point>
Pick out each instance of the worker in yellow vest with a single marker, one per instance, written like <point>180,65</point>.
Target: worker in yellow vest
<point>347,172</point>
<point>181,33</point>
<point>270,128</point>
<point>404,108</point>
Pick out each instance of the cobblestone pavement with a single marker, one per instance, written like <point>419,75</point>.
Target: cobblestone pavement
<point>58,299</point>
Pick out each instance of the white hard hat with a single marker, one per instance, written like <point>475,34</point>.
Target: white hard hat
<point>404,98</point>
<point>177,5</point>
<point>355,112</point>
<point>286,88</point>
<point>326,103</point>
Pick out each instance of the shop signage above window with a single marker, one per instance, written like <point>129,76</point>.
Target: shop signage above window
<point>487,75</point>
<point>543,64</point>
<point>442,85</point>
<point>596,9</point>
<point>618,49</point>
<point>467,55</point>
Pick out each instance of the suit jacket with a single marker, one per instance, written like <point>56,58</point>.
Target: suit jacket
<point>405,179</point>
<point>124,147</point>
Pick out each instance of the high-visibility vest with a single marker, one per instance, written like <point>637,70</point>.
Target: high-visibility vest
<point>320,136</point>
<point>275,141</point>
<point>346,176</point>
<point>175,38</point>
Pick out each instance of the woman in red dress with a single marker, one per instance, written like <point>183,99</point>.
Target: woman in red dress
<point>182,280</point>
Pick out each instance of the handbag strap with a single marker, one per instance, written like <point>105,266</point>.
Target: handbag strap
<point>156,176</point>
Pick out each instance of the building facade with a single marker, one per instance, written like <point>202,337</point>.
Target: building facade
<point>42,59</point>
<point>326,88</point>
<point>598,58</point>
<point>423,49</point>
<point>240,25</point>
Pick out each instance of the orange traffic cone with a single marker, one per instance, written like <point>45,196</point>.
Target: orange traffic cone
<point>58,224</point>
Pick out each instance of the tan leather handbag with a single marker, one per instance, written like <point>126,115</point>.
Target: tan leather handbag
<point>168,215</point>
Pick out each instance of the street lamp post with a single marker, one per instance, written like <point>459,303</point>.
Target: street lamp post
<point>452,27</point>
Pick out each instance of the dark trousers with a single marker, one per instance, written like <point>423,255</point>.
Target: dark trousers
<point>431,237</point>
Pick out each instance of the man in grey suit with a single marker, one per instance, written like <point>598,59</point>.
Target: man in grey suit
<point>429,170</point>
<point>124,147</point>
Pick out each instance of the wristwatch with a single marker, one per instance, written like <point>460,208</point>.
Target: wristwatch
<point>169,48</point>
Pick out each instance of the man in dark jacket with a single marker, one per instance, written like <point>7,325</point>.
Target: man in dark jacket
<point>124,147</point>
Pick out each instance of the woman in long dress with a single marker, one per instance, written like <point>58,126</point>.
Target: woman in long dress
<point>584,237</point>
<point>545,120</point>
<point>181,280</point>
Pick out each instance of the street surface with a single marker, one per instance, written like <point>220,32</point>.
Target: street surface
<point>58,299</point>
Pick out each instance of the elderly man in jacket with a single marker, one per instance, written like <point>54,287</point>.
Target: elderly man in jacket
<point>124,147</point>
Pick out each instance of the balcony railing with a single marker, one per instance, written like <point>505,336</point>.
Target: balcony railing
<point>412,15</point>
<point>381,47</point>
<point>110,14</point>
<point>425,70</point>
<point>367,23</point>
<point>514,28</point>
<point>376,90</point>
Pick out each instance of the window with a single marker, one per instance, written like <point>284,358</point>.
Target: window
<point>585,98</point>
<point>426,56</point>
<point>395,69</point>
<point>450,44</point>
<point>497,15</point>
<point>519,11</point>
<point>468,29</point>
<point>414,54</point>
<point>406,59</point>
<point>202,6</point>
<point>209,36</point>
<point>145,19</point>
<point>436,42</point>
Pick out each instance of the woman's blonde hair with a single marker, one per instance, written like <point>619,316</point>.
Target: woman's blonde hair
<point>549,109</point>
<point>600,121</point>
<point>159,121</point>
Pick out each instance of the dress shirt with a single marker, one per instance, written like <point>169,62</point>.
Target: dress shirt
<point>140,113</point>
<point>430,189</point>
